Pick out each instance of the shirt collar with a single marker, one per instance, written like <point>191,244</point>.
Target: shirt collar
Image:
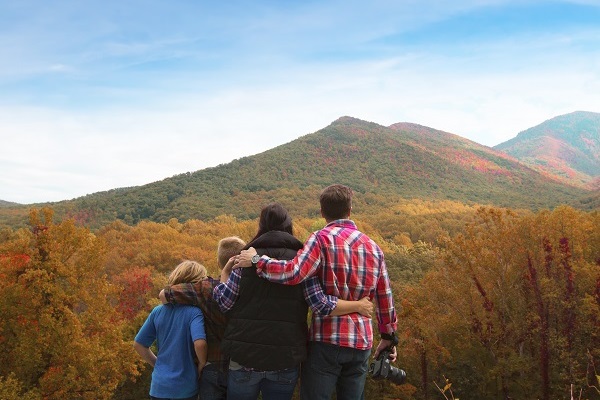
<point>343,223</point>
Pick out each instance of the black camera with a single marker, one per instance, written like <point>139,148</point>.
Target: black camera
<point>382,369</point>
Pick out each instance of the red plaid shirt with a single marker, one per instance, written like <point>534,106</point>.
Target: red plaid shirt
<point>351,266</point>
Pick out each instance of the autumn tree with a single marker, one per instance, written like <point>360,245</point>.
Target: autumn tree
<point>513,305</point>
<point>60,335</point>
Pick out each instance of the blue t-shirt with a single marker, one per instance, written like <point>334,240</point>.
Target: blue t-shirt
<point>175,328</point>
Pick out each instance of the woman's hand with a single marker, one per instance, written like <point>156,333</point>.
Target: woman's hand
<point>365,307</point>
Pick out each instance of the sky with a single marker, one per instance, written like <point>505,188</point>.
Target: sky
<point>97,95</point>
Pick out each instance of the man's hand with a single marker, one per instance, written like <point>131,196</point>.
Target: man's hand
<point>365,307</point>
<point>384,344</point>
<point>245,258</point>
<point>162,297</point>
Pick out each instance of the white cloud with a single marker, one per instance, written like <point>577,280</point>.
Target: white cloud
<point>88,105</point>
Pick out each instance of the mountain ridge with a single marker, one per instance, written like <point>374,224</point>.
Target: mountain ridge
<point>567,146</point>
<point>4,203</point>
<point>382,164</point>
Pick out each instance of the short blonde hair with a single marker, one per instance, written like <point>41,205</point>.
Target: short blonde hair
<point>187,272</point>
<point>229,247</point>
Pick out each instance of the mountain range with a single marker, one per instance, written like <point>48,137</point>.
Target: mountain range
<point>567,147</point>
<point>553,163</point>
<point>4,203</point>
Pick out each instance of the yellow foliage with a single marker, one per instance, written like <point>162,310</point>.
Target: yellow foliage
<point>464,295</point>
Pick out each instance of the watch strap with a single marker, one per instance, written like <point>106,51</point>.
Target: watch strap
<point>391,337</point>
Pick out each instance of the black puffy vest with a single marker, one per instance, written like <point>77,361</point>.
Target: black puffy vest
<point>267,329</point>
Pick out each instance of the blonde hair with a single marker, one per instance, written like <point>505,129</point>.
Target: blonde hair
<point>187,272</point>
<point>229,247</point>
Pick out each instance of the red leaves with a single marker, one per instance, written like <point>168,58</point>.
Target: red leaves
<point>136,283</point>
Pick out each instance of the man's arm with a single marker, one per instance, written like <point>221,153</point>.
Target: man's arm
<point>384,344</point>
<point>226,294</point>
<point>292,272</point>
<point>386,313</point>
<point>145,352</point>
<point>323,304</point>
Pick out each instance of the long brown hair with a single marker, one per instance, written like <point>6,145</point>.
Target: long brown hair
<point>274,217</point>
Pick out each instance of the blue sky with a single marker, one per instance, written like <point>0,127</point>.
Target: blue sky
<point>96,95</point>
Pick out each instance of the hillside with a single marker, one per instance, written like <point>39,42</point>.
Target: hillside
<point>567,146</point>
<point>382,164</point>
<point>4,203</point>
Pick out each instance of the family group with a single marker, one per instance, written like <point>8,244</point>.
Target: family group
<point>245,334</point>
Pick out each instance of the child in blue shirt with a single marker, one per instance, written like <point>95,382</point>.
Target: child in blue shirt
<point>178,330</point>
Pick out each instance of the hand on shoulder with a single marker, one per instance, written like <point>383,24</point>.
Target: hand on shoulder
<point>245,258</point>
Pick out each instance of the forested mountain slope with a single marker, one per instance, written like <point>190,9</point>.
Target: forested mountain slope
<point>567,146</point>
<point>7,204</point>
<point>382,164</point>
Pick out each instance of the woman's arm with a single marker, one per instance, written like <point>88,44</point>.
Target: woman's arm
<point>323,304</point>
<point>362,306</point>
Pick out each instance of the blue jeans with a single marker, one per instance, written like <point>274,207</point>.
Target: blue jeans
<point>161,398</point>
<point>329,367</point>
<point>274,385</point>
<point>213,383</point>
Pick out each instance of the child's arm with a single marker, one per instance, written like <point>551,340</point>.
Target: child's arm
<point>145,352</point>
<point>227,293</point>
<point>184,293</point>
<point>201,349</point>
<point>226,271</point>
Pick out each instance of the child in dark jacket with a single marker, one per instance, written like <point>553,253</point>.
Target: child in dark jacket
<point>213,382</point>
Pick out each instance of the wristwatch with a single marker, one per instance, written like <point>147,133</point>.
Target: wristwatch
<point>255,259</point>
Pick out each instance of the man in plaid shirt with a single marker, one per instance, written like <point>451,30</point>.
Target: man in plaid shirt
<point>350,266</point>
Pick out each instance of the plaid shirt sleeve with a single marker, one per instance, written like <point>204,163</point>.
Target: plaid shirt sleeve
<point>185,293</point>
<point>316,298</point>
<point>292,272</point>
<point>386,313</point>
<point>226,294</point>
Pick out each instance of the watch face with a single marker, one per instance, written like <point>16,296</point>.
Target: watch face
<point>255,258</point>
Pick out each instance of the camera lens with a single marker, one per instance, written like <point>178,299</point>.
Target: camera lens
<point>396,375</point>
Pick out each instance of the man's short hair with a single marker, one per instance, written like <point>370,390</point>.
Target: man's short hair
<point>229,247</point>
<point>336,202</point>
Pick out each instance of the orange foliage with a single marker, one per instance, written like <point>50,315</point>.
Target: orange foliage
<point>466,295</point>
<point>59,334</point>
